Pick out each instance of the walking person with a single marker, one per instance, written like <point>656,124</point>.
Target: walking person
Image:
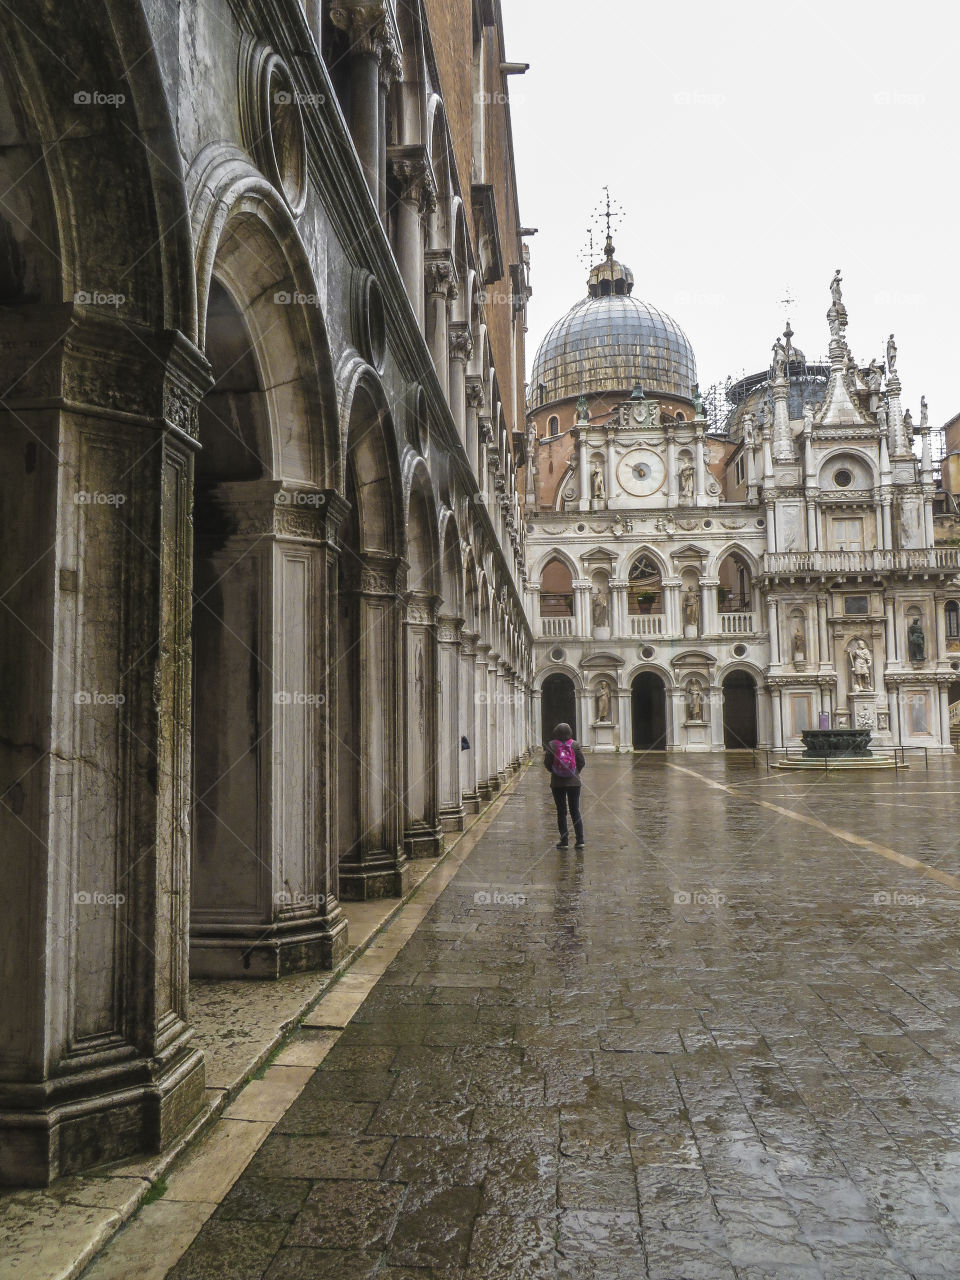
<point>564,760</point>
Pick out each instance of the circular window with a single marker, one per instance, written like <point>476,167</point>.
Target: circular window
<point>843,478</point>
<point>739,650</point>
<point>558,655</point>
<point>369,321</point>
<point>955,666</point>
<point>708,524</point>
<point>581,528</point>
<point>761,523</point>
<point>647,651</point>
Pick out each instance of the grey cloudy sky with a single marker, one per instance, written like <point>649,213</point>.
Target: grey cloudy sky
<point>755,148</point>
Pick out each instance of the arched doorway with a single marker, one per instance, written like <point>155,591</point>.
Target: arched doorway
<point>649,698</point>
<point>558,702</point>
<point>739,711</point>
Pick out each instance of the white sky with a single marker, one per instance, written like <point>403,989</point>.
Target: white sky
<point>810,136</point>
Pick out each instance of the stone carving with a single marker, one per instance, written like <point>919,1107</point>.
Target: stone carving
<point>603,701</point>
<point>697,400</point>
<point>421,690</point>
<point>865,718</point>
<point>779,361</point>
<point>807,418</point>
<point>799,645</point>
<point>882,418</point>
<point>695,701</point>
<point>923,413</point>
<point>687,480</point>
<point>749,430</point>
<point>461,344</point>
<point>691,607</point>
<point>597,487</point>
<point>873,375</point>
<point>600,609</point>
<point>916,641</point>
<point>891,355</point>
<point>836,294</point>
<point>861,667</point>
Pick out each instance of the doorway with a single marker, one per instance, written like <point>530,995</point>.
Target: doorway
<point>739,711</point>
<point>649,704</point>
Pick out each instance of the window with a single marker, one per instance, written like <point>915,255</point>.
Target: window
<point>553,426</point>
<point>951,612</point>
<point>856,604</point>
<point>843,478</point>
<point>848,534</point>
<point>740,469</point>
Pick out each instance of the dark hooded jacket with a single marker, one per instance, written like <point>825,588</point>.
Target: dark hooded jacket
<point>548,755</point>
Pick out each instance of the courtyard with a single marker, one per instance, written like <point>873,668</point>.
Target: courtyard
<point>720,1042</point>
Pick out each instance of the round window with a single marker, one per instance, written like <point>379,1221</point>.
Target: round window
<point>581,528</point>
<point>843,478</point>
<point>739,650</point>
<point>761,522</point>
<point>708,524</point>
<point>647,651</point>
<point>558,655</point>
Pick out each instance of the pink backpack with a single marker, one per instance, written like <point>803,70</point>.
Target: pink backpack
<point>564,759</point>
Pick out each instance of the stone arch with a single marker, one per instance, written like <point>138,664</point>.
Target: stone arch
<point>856,459</point>
<point>370,458</point>
<point>735,548</point>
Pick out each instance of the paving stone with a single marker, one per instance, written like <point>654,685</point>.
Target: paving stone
<point>240,1250</point>
<point>284,1156</point>
<point>340,1214</point>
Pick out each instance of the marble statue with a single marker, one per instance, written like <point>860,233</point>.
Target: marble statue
<point>891,355</point>
<point>799,645</point>
<point>861,665</point>
<point>916,641</point>
<point>807,418</point>
<point>836,296</point>
<point>687,478</point>
<point>882,418</point>
<point>873,375</point>
<point>908,423</point>
<point>694,701</point>
<point>597,488</point>
<point>691,607</point>
<point>779,360</point>
<point>749,428</point>
<point>599,609</point>
<point>603,701</point>
<point>923,413</point>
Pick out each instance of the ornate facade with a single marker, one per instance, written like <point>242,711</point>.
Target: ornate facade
<point>694,590</point>
<point>263,292</point>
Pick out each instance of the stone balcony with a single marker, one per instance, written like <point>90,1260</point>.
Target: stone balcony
<point>938,560</point>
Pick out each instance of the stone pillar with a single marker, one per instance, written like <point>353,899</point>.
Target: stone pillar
<point>374,63</point>
<point>886,522</point>
<point>619,613</point>
<point>451,723</point>
<point>493,744</point>
<point>890,629</point>
<point>581,607</point>
<point>710,607</point>
<point>418,199</point>
<point>776,718</point>
<point>940,625</point>
<point>813,540</point>
<point>773,630</point>
<point>716,717</point>
<point>440,290</point>
<point>944,693</point>
<point>625,719</point>
<point>468,722</point>
<point>97,1061</point>
<point>611,465</point>
<point>461,349</point>
<point>502,712</point>
<point>584,468</point>
<point>928,528</point>
<point>677,703</point>
<point>482,730</point>
<point>673,488</point>
<point>485,429</point>
<point>783,450</point>
<point>373,863</point>
<point>422,836</point>
<point>263,900</point>
<point>701,470</point>
<point>475,398</point>
<point>673,621</point>
<point>823,637</point>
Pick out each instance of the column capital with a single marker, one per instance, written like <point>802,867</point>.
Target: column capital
<point>381,575</point>
<point>461,342</point>
<point>441,274</point>
<point>269,508</point>
<point>476,395</point>
<point>411,167</point>
<point>370,28</point>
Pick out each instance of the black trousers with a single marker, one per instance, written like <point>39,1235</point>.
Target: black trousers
<point>563,796</point>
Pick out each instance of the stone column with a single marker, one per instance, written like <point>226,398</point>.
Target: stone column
<point>461,349</point>
<point>710,607</point>
<point>264,893</point>
<point>625,721</point>
<point>783,450</point>
<point>373,863</point>
<point>97,1061</point>
<point>823,637</point>
<point>422,836</point>
<point>418,199</point>
<point>673,622</point>
<point>452,727</point>
<point>716,717</point>
<point>944,715</point>
<point>940,624</point>
<point>886,522</point>
<point>776,717</point>
<point>893,703</point>
<point>468,722</point>
<point>890,629</point>
<point>502,712</point>
<point>475,398</point>
<point>482,730</point>
<point>701,469</point>
<point>774,633</point>
<point>373,64</point>
<point>673,489</point>
<point>440,290</point>
<point>676,739</point>
<point>813,540</point>
<point>611,465</point>
<point>619,613</point>
<point>583,467</point>
<point>493,743</point>
<point>581,607</point>
<point>484,461</point>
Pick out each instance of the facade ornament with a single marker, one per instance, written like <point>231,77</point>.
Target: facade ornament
<point>461,343</point>
<point>687,481</point>
<point>799,646</point>
<point>861,667</point>
<point>697,400</point>
<point>416,181</point>
<point>695,702</point>
<point>583,410</point>
<point>882,417</point>
<point>836,294</point>
<point>439,276</point>
<point>779,365</point>
<point>597,487</point>
<point>691,607</point>
<point>475,393</point>
<point>908,423</point>
<point>600,609</point>
<point>873,375</point>
<point>369,29</point>
<point>603,702</point>
<point>891,355</point>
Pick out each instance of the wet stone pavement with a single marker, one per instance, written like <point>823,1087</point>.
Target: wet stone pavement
<point>719,1042</point>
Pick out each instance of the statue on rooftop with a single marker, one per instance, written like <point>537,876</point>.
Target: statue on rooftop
<point>891,355</point>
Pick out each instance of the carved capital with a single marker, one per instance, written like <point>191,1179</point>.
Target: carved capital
<point>461,342</point>
<point>440,275</point>
<point>414,175</point>
<point>475,393</point>
<point>369,28</point>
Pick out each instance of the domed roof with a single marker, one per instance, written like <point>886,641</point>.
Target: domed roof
<point>610,341</point>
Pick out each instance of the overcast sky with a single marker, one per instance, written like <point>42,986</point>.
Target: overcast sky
<point>754,148</point>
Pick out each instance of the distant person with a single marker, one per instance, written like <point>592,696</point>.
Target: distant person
<point>564,761</point>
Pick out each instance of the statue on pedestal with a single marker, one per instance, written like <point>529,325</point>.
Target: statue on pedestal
<point>597,488</point>
<point>691,607</point>
<point>916,641</point>
<point>779,361</point>
<point>891,355</point>
<point>603,701</point>
<point>694,701</point>
<point>687,480</point>
<point>799,646</point>
<point>861,666</point>
<point>599,609</point>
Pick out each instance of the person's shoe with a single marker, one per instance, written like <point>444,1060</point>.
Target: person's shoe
<point>563,844</point>
<point>580,844</point>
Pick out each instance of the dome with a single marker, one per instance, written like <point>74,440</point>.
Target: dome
<point>610,341</point>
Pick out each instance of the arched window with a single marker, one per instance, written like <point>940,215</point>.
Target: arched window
<point>951,611</point>
<point>553,426</point>
<point>645,593</point>
<point>734,593</point>
<point>556,590</point>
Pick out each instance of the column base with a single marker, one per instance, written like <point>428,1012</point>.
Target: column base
<point>454,818</point>
<point>483,791</point>
<point>494,783</point>
<point>95,1117</point>
<point>423,842</point>
<point>471,802</point>
<point>363,881</point>
<point>268,951</point>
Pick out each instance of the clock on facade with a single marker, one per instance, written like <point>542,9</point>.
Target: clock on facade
<point>641,472</point>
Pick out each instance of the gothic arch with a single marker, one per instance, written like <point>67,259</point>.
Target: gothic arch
<point>369,452</point>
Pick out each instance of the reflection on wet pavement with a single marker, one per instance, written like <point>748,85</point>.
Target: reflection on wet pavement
<point>720,1042</point>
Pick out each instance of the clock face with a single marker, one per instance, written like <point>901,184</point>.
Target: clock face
<point>641,473</point>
